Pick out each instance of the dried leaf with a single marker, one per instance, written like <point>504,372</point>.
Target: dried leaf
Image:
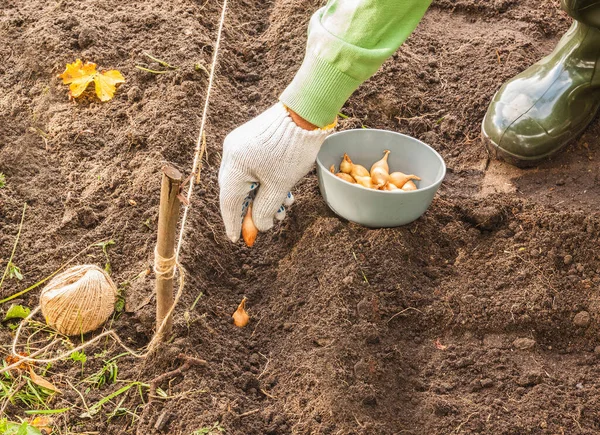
<point>79,75</point>
<point>13,359</point>
<point>43,424</point>
<point>36,379</point>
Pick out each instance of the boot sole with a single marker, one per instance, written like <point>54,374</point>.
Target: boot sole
<point>520,161</point>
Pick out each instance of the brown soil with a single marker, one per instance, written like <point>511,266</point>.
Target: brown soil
<point>413,330</point>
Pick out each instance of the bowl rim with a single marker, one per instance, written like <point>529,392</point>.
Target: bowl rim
<point>435,185</point>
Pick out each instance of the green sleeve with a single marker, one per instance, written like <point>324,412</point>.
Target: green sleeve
<point>348,40</point>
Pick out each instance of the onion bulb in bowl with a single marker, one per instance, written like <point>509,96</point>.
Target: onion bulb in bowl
<point>380,171</point>
<point>399,179</point>
<point>348,167</point>
<point>409,186</point>
<point>365,182</point>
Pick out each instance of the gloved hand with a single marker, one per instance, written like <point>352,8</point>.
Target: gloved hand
<point>270,152</point>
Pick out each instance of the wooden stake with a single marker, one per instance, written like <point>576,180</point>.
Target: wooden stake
<point>168,216</point>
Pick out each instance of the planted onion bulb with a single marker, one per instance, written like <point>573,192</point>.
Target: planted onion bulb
<point>78,300</point>
<point>249,230</point>
<point>347,167</point>
<point>399,179</point>
<point>241,317</point>
<point>409,186</point>
<point>380,171</point>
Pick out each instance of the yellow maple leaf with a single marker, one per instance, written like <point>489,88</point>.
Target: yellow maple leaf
<point>43,424</point>
<point>79,75</point>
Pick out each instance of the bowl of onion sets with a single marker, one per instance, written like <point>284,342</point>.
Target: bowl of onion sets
<point>378,178</point>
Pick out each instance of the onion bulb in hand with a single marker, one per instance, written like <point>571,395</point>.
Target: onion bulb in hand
<point>249,230</point>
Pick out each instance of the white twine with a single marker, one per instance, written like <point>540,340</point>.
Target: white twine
<point>162,267</point>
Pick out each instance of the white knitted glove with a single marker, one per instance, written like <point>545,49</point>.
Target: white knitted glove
<point>269,151</point>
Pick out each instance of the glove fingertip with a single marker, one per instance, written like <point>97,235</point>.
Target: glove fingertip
<point>263,224</point>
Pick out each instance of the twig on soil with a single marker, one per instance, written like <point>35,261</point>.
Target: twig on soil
<point>80,395</point>
<point>266,365</point>
<point>358,422</point>
<point>262,390</point>
<point>403,311</point>
<point>257,323</point>
<point>465,422</point>
<point>9,397</point>
<point>245,414</point>
<point>189,362</point>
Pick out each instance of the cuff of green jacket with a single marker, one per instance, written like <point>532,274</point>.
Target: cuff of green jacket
<point>318,91</point>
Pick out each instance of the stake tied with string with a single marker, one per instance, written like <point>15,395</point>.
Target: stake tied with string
<point>166,265</point>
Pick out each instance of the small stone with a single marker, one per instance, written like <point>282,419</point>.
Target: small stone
<point>348,280</point>
<point>373,338</point>
<point>560,182</point>
<point>568,259</point>
<point>597,350</point>
<point>87,37</point>
<point>162,421</point>
<point>523,343</point>
<point>254,97</point>
<point>486,383</point>
<point>485,218</point>
<point>582,319</point>
<point>464,362</point>
<point>361,370</point>
<point>370,400</point>
<point>530,379</point>
<point>365,308</point>
<point>134,94</point>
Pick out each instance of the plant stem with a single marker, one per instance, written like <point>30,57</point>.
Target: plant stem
<point>14,246</point>
<point>152,70</point>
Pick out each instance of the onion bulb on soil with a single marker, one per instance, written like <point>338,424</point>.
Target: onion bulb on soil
<point>380,171</point>
<point>241,317</point>
<point>78,300</point>
<point>399,179</point>
<point>348,167</point>
<point>409,186</point>
<point>249,230</point>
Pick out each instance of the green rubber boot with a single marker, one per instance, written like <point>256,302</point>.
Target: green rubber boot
<point>539,111</point>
